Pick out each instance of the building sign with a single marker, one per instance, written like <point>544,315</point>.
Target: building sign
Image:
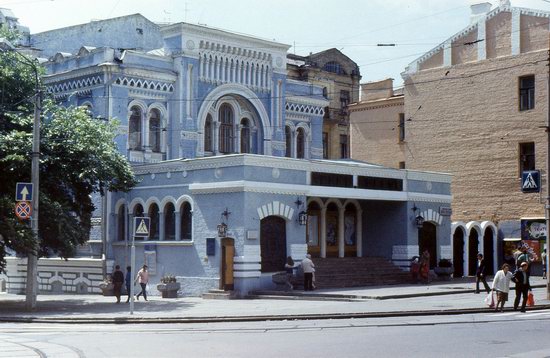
<point>533,229</point>
<point>210,246</point>
<point>445,211</point>
<point>530,181</point>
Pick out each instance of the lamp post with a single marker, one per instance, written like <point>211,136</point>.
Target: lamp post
<point>32,257</point>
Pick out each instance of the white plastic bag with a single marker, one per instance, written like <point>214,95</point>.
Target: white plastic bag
<point>490,300</point>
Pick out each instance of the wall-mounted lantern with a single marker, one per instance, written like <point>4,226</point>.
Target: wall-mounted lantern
<point>302,215</point>
<point>418,219</point>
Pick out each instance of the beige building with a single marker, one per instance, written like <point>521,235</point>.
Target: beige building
<point>339,76</point>
<point>377,124</point>
<point>474,107</point>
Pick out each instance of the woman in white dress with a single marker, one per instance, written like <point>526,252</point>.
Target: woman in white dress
<point>501,285</point>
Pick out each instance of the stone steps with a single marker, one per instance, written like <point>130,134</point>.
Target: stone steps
<point>216,294</point>
<point>357,271</point>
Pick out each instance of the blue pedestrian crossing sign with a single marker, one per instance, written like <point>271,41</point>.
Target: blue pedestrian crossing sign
<point>530,181</point>
<point>141,226</point>
<point>23,192</point>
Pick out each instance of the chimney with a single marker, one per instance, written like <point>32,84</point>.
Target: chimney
<point>478,11</point>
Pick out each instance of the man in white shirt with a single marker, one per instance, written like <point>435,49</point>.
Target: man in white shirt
<point>309,268</point>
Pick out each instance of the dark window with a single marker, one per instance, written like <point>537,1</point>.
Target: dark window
<point>208,134</point>
<point>376,183</point>
<point>169,222</point>
<point>226,129</point>
<point>526,156</point>
<point>344,99</point>
<point>154,219</point>
<point>134,138</point>
<point>325,145</point>
<point>121,223</point>
<point>154,130</point>
<point>526,93</point>
<point>288,139</point>
<point>245,136</point>
<point>300,143</point>
<point>186,221</point>
<point>401,165</point>
<point>334,67</point>
<point>328,179</point>
<point>401,127</point>
<point>344,146</point>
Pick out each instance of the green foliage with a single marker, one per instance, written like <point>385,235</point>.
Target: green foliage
<point>78,157</point>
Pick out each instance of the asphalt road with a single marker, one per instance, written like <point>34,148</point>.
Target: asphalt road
<point>508,334</point>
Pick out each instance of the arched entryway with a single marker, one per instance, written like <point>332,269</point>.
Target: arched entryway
<point>458,252</point>
<point>273,243</point>
<point>488,253</point>
<point>473,249</point>
<point>427,240</point>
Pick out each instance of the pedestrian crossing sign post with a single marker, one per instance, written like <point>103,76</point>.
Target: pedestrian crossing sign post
<point>141,226</point>
<point>530,181</point>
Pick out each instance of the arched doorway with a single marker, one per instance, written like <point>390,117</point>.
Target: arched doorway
<point>427,240</point>
<point>273,243</point>
<point>488,253</point>
<point>458,252</point>
<point>473,248</point>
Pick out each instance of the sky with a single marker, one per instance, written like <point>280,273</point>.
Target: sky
<point>353,26</point>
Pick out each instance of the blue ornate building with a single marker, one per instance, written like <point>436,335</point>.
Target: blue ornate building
<point>217,134</point>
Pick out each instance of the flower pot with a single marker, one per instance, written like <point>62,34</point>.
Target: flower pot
<point>107,288</point>
<point>169,290</point>
<point>444,273</point>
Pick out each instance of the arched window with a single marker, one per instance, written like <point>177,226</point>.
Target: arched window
<point>138,213</point>
<point>169,222</point>
<point>288,139</point>
<point>154,217</point>
<point>208,134</point>
<point>186,221</point>
<point>134,129</point>
<point>121,223</point>
<point>226,129</point>
<point>154,130</point>
<point>300,143</point>
<point>245,136</point>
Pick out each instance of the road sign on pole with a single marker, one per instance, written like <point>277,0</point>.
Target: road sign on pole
<point>23,210</point>
<point>141,226</point>
<point>23,192</point>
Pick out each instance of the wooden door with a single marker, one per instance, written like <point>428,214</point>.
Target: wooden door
<point>273,243</point>
<point>228,252</point>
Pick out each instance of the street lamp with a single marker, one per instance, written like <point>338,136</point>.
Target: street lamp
<point>32,258</point>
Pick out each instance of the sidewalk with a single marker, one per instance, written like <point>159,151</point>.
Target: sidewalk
<point>442,297</point>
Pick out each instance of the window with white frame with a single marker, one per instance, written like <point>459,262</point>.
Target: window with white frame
<point>300,143</point>
<point>154,130</point>
<point>134,128</point>
<point>245,135</point>
<point>226,129</point>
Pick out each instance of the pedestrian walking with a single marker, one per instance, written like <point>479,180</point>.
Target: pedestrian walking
<point>118,281</point>
<point>309,268</point>
<point>480,273</point>
<point>289,268</point>
<point>521,278</point>
<point>142,278</point>
<point>128,281</point>
<point>501,286</point>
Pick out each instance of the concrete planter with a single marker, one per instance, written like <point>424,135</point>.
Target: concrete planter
<point>443,273</point>
<point>169,290</point>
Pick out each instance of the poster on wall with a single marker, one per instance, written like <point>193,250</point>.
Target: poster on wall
<point>534,249</point>
<point>533,229</point>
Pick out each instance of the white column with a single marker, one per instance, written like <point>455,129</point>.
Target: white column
<point>482,44</point>
<point>359,233</point>
<point>341,250</point>
<point>323,232</point>
<point>447,54</point>
<point>189,97</point>
<point>178,224</point>
<point>161,225</point>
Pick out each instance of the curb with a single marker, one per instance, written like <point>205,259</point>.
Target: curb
<point>225,319</point>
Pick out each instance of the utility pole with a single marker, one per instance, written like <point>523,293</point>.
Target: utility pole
<point>32,259</point>
<point>547,206</point>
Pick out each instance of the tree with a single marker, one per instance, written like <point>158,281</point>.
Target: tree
<point>78,157</point>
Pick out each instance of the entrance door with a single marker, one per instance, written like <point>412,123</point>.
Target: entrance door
<point>458,252</point>
<point>228,252</point>
<point>273,243</point>
<point>473,248</point>
<point>488,253</point>
<point>427,240</point>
